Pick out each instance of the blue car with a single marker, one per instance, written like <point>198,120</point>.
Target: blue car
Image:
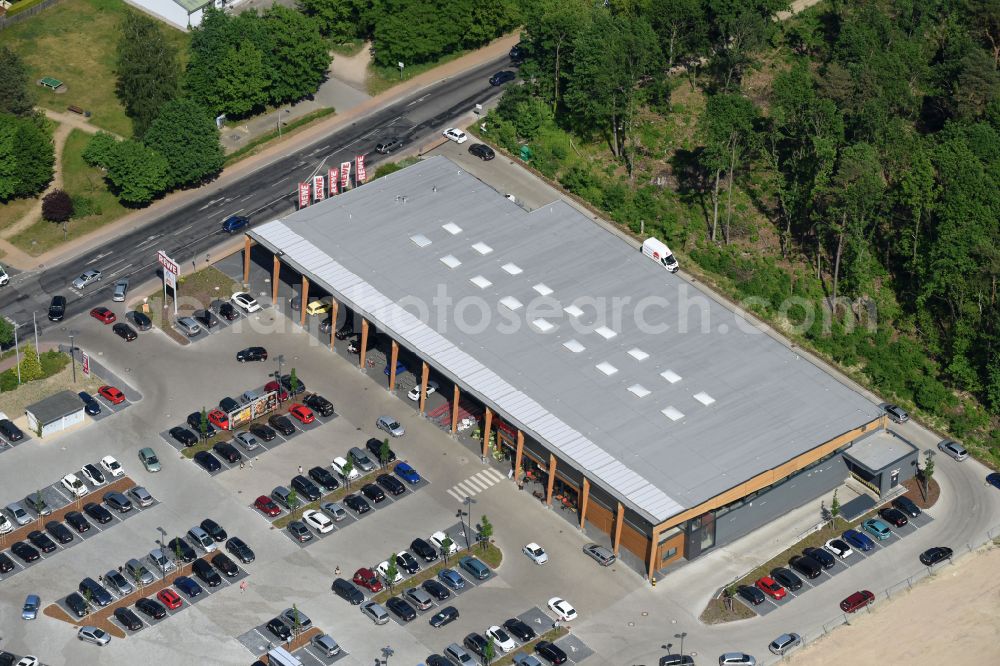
<point>90,404</point>
<point>400,369</point>
<point>993,479</point>
<point>407,473</point>
<point>188,586</point>
<point>877,528</point>
<point>858,540</point>
<point>452,579</point>
<point>235,223</point>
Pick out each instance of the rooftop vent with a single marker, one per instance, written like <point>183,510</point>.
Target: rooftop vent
<point>573,311</point>
<point>639,390</point>
<point>543,325</point>
<point>574,346</point>
<point>513,269</point>
<point>451,261</point>
<point>607,368</point>
<point>480,282</point>
<point>704,398</point>
<point>510,303</point>
<point>670,376</point>
<point>482,248</point>
<point>452,228</point>
<point>542,289</point>
<point>605,332</point>
<point>638,354</point>
<point>672,413</point>
<point>420,240</point>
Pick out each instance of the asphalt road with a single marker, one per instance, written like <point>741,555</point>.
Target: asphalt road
<point>189,232</point>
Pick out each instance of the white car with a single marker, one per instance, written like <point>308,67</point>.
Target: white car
<point>456,135</point>
<point>501,638</point>
<point>437,540</point>
<point>535,553</point>
<point>28,660</point>
<point>414,393</point>
<point>93,635</point>
<point>562,608</point>
<point>246,301</point>
<point>338,466</point>
<point>113,466</point>
<point>318,520</point>
<point>89,277</point>
<point>5,525</point>
<point>383,571</point>
<point>839,547</point>
<point>73,484</point>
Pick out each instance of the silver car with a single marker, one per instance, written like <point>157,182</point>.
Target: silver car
<point>246,440</point>
<point>326,645</point>
<point>784,643</point>
<point>88,277</point>
<point>90,634</point>
<point>601,555</point>
<point>334,510</point>
<point>189,326</point>
<point>361,459</point>
<point>953,449</point>
<point>18,513</point>
<point>139,572</point>
<point>141,495</point>
<point>376,612</point>
<point>119,583</point>
<point>419,598</point>
<point>896,414</point>
<point>293,615</point>
<point>161,561</point>
<point>121,288</point>
<point>390,425</point>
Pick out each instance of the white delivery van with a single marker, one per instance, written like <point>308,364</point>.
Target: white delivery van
<point>279,656</point>
<point>658,251</point>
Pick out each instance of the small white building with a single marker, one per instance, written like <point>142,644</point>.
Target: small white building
<point>55,413</point>
<point>181,14</point>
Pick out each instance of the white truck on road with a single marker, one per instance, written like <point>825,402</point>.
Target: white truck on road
<point>658,251</point>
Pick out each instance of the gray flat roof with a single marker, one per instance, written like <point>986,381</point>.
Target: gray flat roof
<point>660,393</point>
<point>880,449</point>
<point>56,406</point>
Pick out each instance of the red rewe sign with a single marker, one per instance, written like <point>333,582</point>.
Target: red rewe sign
<point>303,195</point>
<point>319,188</point>
<point>345,175</point>
<point>362,175</point>
<point>331,178</point>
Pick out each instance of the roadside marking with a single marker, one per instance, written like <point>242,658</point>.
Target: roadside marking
<point>475,484</point>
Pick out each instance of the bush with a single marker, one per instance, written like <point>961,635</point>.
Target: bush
<point>84,206</point>
<point>57,206</point>
<point>8,380</point>
<point>99,149</point>
<point>52,362</point>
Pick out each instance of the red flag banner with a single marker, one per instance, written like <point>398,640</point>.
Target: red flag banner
<point>361,176</point>
<point>319,188</point>
<point>345,175</point>
<point>303,194</point>
<point>331,177</point>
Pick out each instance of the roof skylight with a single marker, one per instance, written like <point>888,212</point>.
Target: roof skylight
<point>670,376</point>
<point>451,261</point>
<point>672,413</point>
<point>704,398</point>
<point>513,269</point>
<point>482,248</point>
<point>420,240</point>
<point>605,332</point>
<point>638,354</point>
<point>452,228</point>
<point>574,346</point>
<point>607,368</point>
<point>543,325</point>
<point>573,311</point>
<point>542,289</point>
<point>639,390</point>
<point>510,303</point>
<point>480,281</point>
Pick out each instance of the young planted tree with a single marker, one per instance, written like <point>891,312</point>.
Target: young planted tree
<point>391,571</point>
<point>296,621</point>
<point>293,381</point>
<point>834,508</point>
<point>203,424</point>
<point>489,652</point>
<point>485,532</point>
<point>31,367</point>
<point>348,468</point>
<point>446,545</point>
<point>293,499</point>
<point>383,452</point>
<point>927,472</point>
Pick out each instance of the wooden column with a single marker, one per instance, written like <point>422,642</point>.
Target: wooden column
<point>518,454</point>
<point>619,519</point>
<point>304,301</point>
<point>275,276</point>
<point>654,547</point>
<point>552,479</point>
<point>246,259</point>
<point>486,431</point>
<point>425,372</point>
<point>454,410</point>
<point>584,498</point>
<point>333,324</point>
<point>364,342</point>
<point>392,366</point>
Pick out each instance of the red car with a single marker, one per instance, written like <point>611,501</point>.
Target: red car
<point>112,395</point>
<point>302,413</point>
<point>103,315</point>
<point>367,579</point>
<point>275,386</point>
<point>771,588</point>
<point>218,418</point>
<point>267,506</point>
<point>169,598</point>
<point>857,601</point>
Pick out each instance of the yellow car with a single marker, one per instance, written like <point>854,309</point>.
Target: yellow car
<point>319,307</point>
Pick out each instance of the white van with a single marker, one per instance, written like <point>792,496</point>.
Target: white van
<point>4,278</point>
<point>658,251</point>
<point>279,656</point>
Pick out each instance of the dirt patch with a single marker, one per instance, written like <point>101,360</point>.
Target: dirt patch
<point>914,491</point>
<point>353,69</point>
<point>717,612</point>
<point>965,599</point>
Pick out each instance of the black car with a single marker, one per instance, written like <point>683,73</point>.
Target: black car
<point>251,354</point>
<point>238,547</point>
<point>77,604</point>
<point>806,566</point>
<point>282,424</point>
<point>446,615</point>
<point>141,321</point>
<point>475,643</point>
<point>262,432</point>
<point>482,151</point>
<point>57,308</point>
<point>118,502</point>
<point>128,619</point>
<point>407,563</point>
<point>95,472</point>
<point>373,492</point>
<point>750,594</point>
<point>390,145</point>
<point>59,531</point>
<point>228,404</point>
<point>181,549</point>
<point>347,591</point>
<point>228,452</point>
<point>319,404</point>
<point>437,660</point>
<point>286,381</point>
<point>518,52</point>
<point>894,517</point>
<point>194,422</point>
<point>324,478</point>
<point>932,556</point>
<point>77,521</point>
<point>184,436</point>
<point>424,550</point>
<point>98,513</point>
<point>90,404</point>
<point>41,541</point>
<point>502,77</point>
<point>519,630</point>
<point>227,310</point>
<point>6,564</point>
<point>10,431</point>
<point>24,552</point>
<point>906,505</point>
<point>357,503</point>
<point>374,446</point>
<point>151,608</point>
<point>206,573</point>
<point>825,558</point>
<point>280,630</point>
<point>403,610</point>
<point>222,562</point>
<point>206,318</point>
<point>207,461</point>
<point>435,589</point>
<point>392,485</point>
<point>214,530</point>
<point>124,331</point>
<point>345,332</point>
<point>550,652</point>
<point>306,488</point>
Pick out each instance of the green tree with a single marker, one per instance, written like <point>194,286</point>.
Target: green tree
<point>203,424</point>
<point>348,468</point>
<point>99,149</point>
<point>27,156</point>
<point>927,472</point>
<point>293,499</point>
<point>552,28</point>
<point>57,206</point>
<point>137,173</point>
<point>391,571</point>
<point>242,82</point>
<point>293,382</point>
<point>682,28</point>
<point>485,532</point>
<point>15,84</point>
<point>740,29</point>
<point>147,69</point>
<point>341,21</point>
<point>489,652</point>
<point>185,134</point>
<point>296,621</point>
<point>446,545</point>
<point>834,508</point>
<point>727,128</point>
<point>211,40</point>
<point>297,57</point>
<point>6,332</point>
<point>31,367</point>
<point>383,452</point>
<point>412,32</point>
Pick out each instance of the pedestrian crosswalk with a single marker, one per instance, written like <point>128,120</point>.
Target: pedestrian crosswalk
<point>475,484</point>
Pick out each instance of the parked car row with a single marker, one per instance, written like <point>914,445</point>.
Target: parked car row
<point>513,634</point>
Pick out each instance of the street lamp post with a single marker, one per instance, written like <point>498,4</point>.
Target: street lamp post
<point>681,636</point>
<point>72,352</point>
<point>468,501</point>
<point>461,518</point>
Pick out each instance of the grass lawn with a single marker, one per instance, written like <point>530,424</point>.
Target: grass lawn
<point>79,180</point>
<point>348,49</point>
<point>196,292</point>
<point>12,211</point>
<point>75,42</point>
<point>262,142</point>
<point>381,79</point>
<point>14,402</point>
